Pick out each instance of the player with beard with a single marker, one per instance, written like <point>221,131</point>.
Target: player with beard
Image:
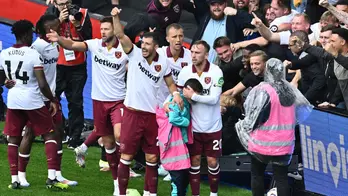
<point>49,52</point>
<point>139,126</point>
<point>206,128</point>
<point>108,89</point>
<point>215,24</point>
<point>24,66</point>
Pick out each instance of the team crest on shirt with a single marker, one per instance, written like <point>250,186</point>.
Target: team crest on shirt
<point>158,68</point>
<point>183,64</point>
<point>118,54</point>
<point>207,80</point>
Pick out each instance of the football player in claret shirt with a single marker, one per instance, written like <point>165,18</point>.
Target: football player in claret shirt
<point>108,90</point>
<point>139,126</point>
<point>23,65</point>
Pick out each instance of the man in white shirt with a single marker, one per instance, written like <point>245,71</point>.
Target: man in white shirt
<point>24,66</point>
<point>178,56</point>
<point>205,114</point>
<point>299,22</point>
<point>49,53</point>
<point>108,89</point>
<point>146,71</point>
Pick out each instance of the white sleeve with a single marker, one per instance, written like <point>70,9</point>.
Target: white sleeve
<point>134,52</point>
<point>168,71</point>
<point>90,44</point>
<point>37,61</point>
<point>215,90</point>
<point>182,78</point>
<point>284,37</point>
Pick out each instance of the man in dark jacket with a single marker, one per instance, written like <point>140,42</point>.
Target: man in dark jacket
<point>215,23</point>
<point>336,50</point>
<point>71,67</point>
<point>313,82</point>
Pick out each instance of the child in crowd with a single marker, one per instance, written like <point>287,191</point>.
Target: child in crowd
<point>173,134</point>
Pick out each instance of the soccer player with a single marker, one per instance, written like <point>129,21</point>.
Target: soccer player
<point>146,71</point>
<point>24,66</point>
<point>205,114</point>
<point>178,56</point>
<point>108,87</point>
<point>49,53</point>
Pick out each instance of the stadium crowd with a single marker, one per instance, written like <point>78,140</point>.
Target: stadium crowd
<point>248,60</point>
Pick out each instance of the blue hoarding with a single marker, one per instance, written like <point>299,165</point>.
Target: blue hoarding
<point>325,156</point>
<point>7,40</point>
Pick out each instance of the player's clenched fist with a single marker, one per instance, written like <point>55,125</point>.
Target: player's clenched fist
<point>115,11</point>
<point>257,22</point>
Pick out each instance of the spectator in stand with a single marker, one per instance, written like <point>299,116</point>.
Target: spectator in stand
<point>166,12</point>
<point>313,82</point>
<point>325,19</point>
<point>282,11</point>
<point>71,67</point>
<point>215,23</point>
<point>225,61</point>
<point>333,93</point>
<point>337,50</point>
<point>340,11</point>
<point>257,63</point>
<point>269,16</point>
<point>299,22</point>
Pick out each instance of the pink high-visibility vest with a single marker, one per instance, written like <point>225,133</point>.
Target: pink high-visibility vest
<point>174,154</point>
<point>277,135</point>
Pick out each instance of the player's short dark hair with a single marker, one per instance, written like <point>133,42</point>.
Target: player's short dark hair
<point>204,43</point>
<point>107,19</point>
<point>253,47</point>
<point>302,35</point>
<point>194,84</point>
<point>40,24</point>
<point>221,41</point>
<point>21,28</point>
<point>175,26</point>
<point>153,35</point>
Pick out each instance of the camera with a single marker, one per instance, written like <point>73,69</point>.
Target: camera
<point>75,12</point>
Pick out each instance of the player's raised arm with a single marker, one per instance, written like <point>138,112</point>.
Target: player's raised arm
<point>66,43</point>
<point>126,43</point>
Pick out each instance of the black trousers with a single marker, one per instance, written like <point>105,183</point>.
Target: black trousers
<point>257,177</point>
<point>71,80</point>
<point>180,181</point>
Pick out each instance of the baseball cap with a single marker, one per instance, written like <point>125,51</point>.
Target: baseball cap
<point>216,1</point>
<point>342,2</point>
<point>343,33</point>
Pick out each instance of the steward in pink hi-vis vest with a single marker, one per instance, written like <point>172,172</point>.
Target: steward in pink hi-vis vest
<point>277,135</point>
<point>272,109</point>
